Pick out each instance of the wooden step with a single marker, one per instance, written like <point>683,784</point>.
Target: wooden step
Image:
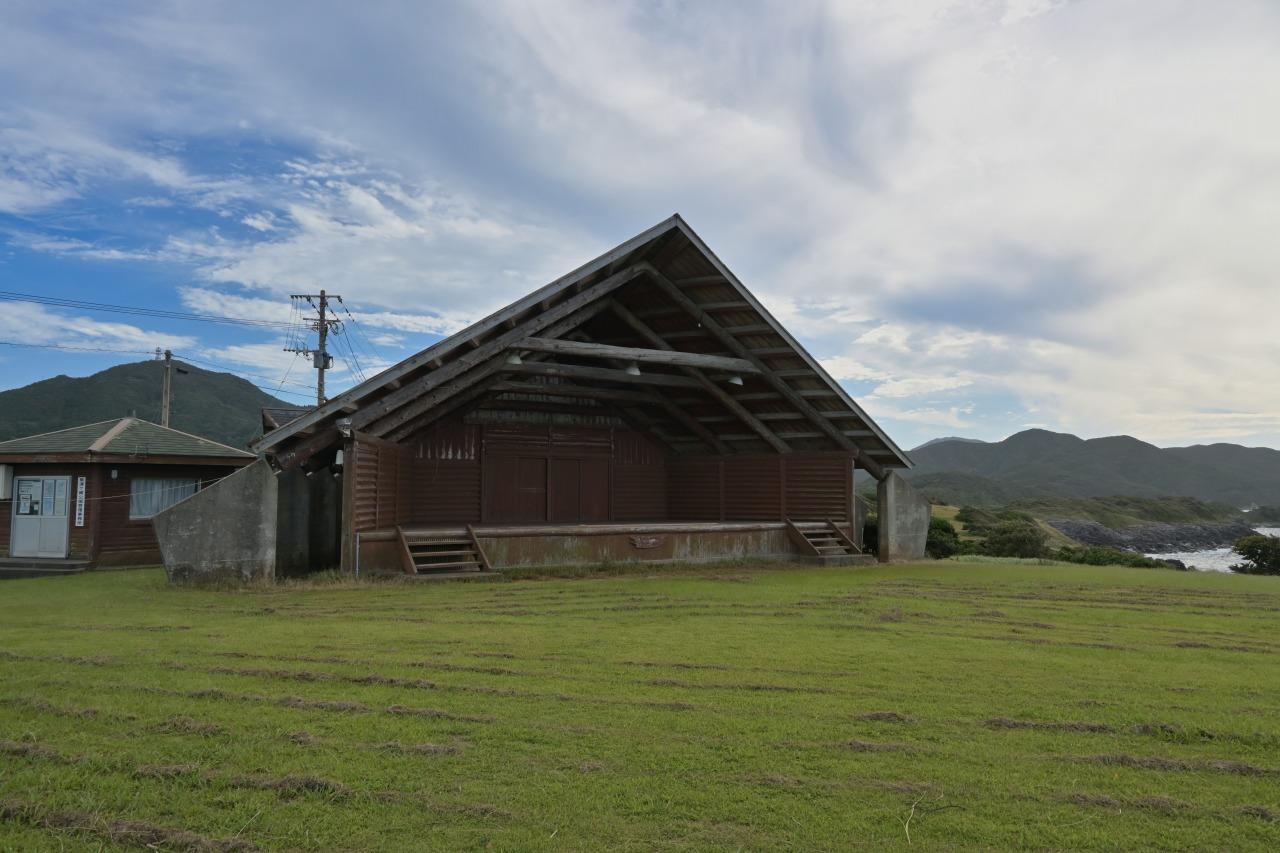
<point>417,553</point>
<point>449,576</point>
<point>471,564</point>
<point>422,543</point>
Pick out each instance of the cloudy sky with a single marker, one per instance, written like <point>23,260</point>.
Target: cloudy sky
<point>981,216</point>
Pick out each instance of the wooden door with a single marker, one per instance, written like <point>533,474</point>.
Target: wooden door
<point>515,489</point>
<point>563,491</point>
<point>594,490</point>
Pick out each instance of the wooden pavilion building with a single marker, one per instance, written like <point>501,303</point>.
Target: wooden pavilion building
<point>643,407</point>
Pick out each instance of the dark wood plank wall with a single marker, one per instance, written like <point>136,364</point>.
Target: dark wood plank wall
<point>447,481</point>
<point>106,510</point>
<point>761,487</point>
<point>383,484</point>
<point>118,532</point>
<point>460,473</point>
<point>639,478</point>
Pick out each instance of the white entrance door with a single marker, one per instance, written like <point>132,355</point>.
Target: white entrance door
<point>40,516</point>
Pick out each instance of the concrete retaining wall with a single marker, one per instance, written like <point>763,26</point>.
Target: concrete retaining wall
<point>903,519</point>
<point>225,533</point>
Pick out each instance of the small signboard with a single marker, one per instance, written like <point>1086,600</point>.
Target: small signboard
<point>79,501</point>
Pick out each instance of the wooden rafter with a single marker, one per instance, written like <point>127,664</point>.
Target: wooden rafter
<point>739,349</point>
<point>571,309</point>
<point>747,417</point>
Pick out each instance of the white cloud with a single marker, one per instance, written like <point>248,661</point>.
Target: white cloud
<point>1059,208</point>
<point>28,323</point>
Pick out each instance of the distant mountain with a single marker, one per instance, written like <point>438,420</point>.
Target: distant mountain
<point>1038,463</point>
<point>219,406</point>
<point>948,438</point>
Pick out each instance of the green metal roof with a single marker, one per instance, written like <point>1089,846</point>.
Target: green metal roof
<point>122,437</point>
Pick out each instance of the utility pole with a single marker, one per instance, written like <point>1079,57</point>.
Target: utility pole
<point>168,388</point>
<point>166,396</point>
<point>320,358</point>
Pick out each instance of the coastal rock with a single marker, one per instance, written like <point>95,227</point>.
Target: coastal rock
<point>1155,538</point>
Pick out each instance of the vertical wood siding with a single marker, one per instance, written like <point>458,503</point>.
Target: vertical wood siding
<point>461,473</point>
<point>639,478</point>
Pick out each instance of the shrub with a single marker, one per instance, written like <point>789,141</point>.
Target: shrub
<point>943,540</point>
<point>1099,556</point>
<point>1261,554</point>
<point>1016,537</point>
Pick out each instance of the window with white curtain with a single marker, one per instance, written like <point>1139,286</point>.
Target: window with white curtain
<point>148,496</point>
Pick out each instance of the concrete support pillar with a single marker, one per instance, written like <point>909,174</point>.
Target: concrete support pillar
<point>904,519</point>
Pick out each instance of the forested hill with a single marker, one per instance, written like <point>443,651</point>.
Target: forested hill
<point>219,406</point>
<point>1038,463</point>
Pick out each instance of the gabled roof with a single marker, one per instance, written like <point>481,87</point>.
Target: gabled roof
<point>274,417</point>
<point>755,387</point>
<point>119,437</point>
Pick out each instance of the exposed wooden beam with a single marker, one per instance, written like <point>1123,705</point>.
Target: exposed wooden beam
<point>701,280</point>
<point>586,349</point>
<point>568,390</point>
<point>764,416</point>
<point>710,387</point>
<point>675,412</point>
<point>739,349</point>
<point>304,450</point>
<point>602,374</point>
<point>445,401</point>
<point>560,319</point>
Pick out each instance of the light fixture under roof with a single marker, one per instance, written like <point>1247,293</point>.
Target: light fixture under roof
<point>633,369</point>
<point>514,358</point>
<point>735,380</point>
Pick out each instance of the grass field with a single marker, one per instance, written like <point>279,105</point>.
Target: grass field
<point>935,705</point>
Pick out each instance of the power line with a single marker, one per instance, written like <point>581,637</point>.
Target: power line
<point>78,349</point>
<point>82,305</point>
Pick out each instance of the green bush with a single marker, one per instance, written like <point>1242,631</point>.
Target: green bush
<point>1016,537</point>
<point>1261,554</point>
<point>943,541</point>
<point>1098,556</point>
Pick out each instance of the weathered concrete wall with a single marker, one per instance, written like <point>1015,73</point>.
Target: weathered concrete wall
<point>225,533</point>
<point>904,519</point>
<point>598,544</point>
<point>308,526</point>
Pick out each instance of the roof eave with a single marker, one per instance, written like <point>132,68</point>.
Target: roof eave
<point>334,406</point>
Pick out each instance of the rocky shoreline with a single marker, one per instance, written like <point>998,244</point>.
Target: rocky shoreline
<point>1155,538</point>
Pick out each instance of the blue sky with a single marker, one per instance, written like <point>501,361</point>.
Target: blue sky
<point>980,216</point>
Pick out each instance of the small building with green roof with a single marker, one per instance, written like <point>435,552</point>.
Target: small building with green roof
<point>84,496</point>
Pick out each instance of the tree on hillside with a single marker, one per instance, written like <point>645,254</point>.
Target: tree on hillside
<point>943,540</point>
<point>1261,555</point>
<point>1016,538</point>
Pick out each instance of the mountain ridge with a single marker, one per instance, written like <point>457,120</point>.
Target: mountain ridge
<point>215,405</point>
<point>1038,463</point>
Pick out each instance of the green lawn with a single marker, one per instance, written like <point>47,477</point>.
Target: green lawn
<point>967,704</point>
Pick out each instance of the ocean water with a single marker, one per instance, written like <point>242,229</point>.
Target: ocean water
<point>1215,559</point>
